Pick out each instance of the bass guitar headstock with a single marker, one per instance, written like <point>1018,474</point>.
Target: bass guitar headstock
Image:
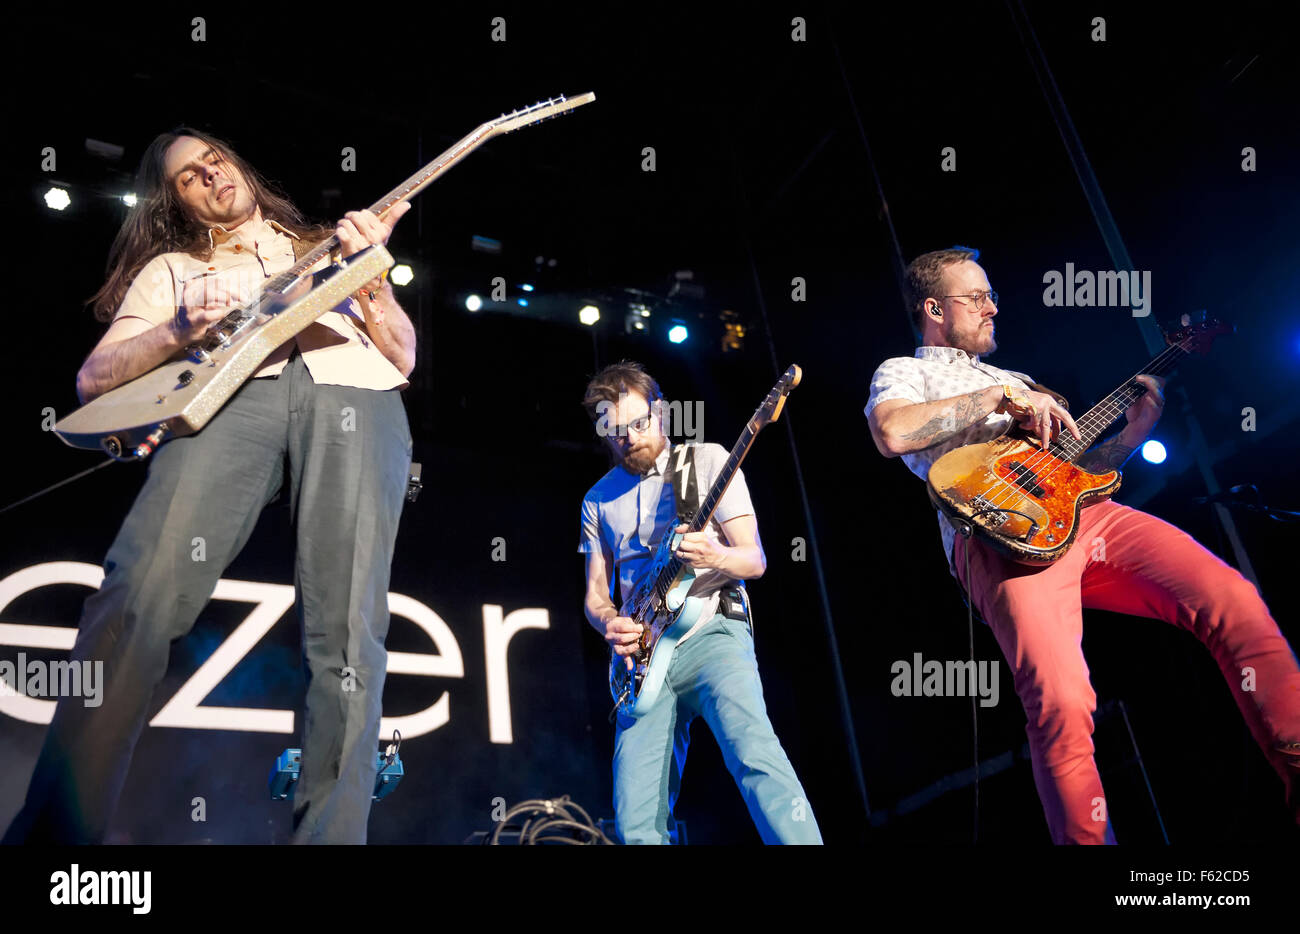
<point>771,408</point>
<point>1197,337</point>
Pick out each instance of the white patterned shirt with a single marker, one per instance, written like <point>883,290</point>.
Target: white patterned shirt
<point>934,373</point>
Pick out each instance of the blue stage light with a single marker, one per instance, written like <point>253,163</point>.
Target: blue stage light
<point>1154,452</point>
<point>523,302</point>
<point>677,333</point>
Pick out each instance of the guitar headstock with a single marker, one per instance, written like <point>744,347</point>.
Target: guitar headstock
<point>1197,337</point>
<point>543,110</point>
<point>771,408</point>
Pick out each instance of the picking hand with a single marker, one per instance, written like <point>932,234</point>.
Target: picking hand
<point>205,301</point>
<point>1045,418</point>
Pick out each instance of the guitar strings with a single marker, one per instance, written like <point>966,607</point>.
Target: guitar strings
<point>1058,453</point>
<point>1105,411</point>
<point>1099,416</point>
<point>1129,392</point>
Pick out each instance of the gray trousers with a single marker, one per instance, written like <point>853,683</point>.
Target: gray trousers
<point>348,452</point>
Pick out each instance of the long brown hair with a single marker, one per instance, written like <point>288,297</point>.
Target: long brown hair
<point>159,222</point>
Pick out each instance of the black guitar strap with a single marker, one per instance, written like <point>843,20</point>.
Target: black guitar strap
<point>681,469</point>
<point>733,601</point>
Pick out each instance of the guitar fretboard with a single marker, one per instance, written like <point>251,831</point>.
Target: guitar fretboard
<point>710,503</point>
<point>1102,415</point>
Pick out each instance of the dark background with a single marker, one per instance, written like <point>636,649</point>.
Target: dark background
<point>762,175</point>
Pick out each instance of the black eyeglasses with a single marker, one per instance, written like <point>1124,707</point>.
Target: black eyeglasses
<point>978,298</point>
<point>639,425</point>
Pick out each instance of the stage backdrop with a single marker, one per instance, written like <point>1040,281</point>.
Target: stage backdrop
<point>495,680</point>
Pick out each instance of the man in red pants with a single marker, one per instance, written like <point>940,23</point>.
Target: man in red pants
<point>1125,561</point>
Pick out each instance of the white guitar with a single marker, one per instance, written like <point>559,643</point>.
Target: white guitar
<point>180,396</point>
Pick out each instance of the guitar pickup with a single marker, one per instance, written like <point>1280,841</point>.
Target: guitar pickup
<point>1026,479</point>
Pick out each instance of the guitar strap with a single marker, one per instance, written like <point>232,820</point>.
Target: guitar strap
<point>302,247</point>
<point>733,601</point>
<point>686,493</point>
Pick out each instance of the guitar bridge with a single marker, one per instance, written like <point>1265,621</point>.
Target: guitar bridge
<point>983,508</point>
<point>1001,515</point>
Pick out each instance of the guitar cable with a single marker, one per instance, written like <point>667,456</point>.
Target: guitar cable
<point>53,487</point>
<point>967,531</point>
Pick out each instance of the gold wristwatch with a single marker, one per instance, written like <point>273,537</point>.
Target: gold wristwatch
<point>1015,402</point>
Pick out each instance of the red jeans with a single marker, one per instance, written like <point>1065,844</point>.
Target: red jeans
<point>1126,561</point>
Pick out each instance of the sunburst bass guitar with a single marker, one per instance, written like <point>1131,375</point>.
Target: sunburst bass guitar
<point>659,601</point>
<point>1026,501</point>
<point>182,395</point>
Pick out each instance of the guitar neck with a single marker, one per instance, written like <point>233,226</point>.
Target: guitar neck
<point>408,189</point>
<point>710,503</point>
<point>724,478</point>
<point>403,192</point>
<point>1094,423</point>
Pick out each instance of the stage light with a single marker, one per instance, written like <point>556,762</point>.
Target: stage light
<point>57,199</point>
<point>130,200</point>
<point>678,333</point>
<point>589,314</point>
<point>401,274</point>
<point>634,320</point>
<point>523,302</point>
<point>1154,452</point>
<point>473,303</point>
<point>733,332</point>
<point>526,287</point>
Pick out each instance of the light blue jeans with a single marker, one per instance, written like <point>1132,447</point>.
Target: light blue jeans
<point>713,675</point>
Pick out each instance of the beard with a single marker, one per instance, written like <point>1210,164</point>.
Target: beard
<point>641,458</point>
<point>978,342</point>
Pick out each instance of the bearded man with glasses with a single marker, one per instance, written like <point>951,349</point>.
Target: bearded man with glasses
<point>945,396</point>
<point>713,672</point>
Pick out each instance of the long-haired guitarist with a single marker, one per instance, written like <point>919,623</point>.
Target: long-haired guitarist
<point>946,396</point>
<point>206,231</point>
<point>713,671</point>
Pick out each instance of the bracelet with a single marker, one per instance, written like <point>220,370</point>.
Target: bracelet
<point>1016,403</point>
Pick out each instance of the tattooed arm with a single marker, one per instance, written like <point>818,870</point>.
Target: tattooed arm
<point>901,427</point>
<point>1107,456</point>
